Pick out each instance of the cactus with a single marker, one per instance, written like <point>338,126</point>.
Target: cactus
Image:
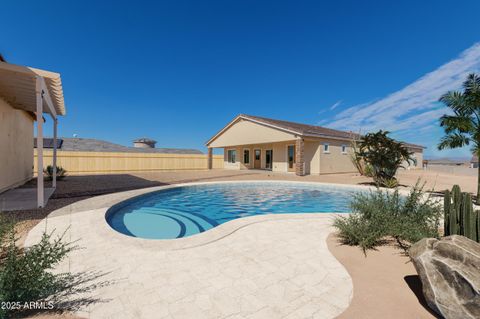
<point>467,213</point>
<point>457,206</point>
<point>447,203</point>
<point>478,226</point>
<point>453,225</point>
<point>459,216</point>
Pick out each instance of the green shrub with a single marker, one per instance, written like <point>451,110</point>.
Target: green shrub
<point>25,274</point>
<point>387,182</point>
<point>380,214</point>
<point>368,171</point>
<point>358,231</point>
<point>61,172</point>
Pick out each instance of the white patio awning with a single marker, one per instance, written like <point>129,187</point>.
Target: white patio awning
<point>36,91</point>
<point>18,86</point>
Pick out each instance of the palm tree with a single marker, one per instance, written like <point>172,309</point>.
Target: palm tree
<point>463,127</point>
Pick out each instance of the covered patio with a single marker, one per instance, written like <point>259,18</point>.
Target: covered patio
<point>252,144</point>
<point>37,92</point>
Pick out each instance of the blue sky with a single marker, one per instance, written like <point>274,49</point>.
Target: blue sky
<point>177,71</point>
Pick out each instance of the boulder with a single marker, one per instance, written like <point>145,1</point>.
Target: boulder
<point>449,269</point>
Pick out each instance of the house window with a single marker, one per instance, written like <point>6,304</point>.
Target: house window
<point>326,148</point>
<point>231,156</point>
<point>246,156</point>
<point>257,155</point>
<point>344,149</point>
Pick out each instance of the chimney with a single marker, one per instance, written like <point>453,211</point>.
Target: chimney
<point>144,143</point>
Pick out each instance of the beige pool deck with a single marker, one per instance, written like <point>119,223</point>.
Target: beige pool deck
<point>269,266</point>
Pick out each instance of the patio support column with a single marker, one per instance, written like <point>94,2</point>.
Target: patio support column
<point>299,157</point>
<point>210,158</point>
<point>39,97</point>
<point>54,160</point>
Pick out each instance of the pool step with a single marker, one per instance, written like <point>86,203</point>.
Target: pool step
<point>194,223</point>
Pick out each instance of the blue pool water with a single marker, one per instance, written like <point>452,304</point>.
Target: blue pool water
<point>189,210</point>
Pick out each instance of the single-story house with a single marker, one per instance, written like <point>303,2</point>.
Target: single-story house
<point>447,162</point>
<point>253,142</point>
<point>95,145</point>
<point>26,94</point>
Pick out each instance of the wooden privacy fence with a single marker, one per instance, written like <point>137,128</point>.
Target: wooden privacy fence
<point>83,163</point>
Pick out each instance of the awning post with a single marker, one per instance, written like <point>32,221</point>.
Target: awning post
<point>210,158</point>
<point>54,161</point>
<point>39,97</point>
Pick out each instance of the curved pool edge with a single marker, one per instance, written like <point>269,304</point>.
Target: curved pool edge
<point>109,200</point>
<point>99,206</point>
<point>152,192</point>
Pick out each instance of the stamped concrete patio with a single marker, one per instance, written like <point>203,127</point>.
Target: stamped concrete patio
<point>270,266</point>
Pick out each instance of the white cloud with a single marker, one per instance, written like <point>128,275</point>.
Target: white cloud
<point>416,105</point>
<point>334,106</point>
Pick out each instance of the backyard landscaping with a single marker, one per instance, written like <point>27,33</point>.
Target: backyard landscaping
<point>76,188</point>
<point>79,190</point>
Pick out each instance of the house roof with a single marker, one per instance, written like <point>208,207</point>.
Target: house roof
<point>18,86</point>
<point>144,140</point>
<point>94,145</point>
<point>304,130</point>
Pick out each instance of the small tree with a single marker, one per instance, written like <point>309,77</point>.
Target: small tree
<point>463,127</point>
<point>384,155</point>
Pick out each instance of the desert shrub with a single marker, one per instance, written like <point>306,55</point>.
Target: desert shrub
<point>358,231</point>
<point>381,214</point>
<point>61,172</point>
<point>387,182</point>
<point>25,274</point>
<point>368,170</point>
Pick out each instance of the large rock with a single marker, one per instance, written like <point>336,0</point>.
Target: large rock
<point>450,273</point>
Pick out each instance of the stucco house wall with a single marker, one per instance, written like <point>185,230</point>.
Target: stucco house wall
<point>247,133</point>
<point>335,161</point>
<point>312,157</point>
<point>279,163</point>
<point>316,161</point>
<point>253,132</point>
<point>16,145</point>
<point>418,155</point>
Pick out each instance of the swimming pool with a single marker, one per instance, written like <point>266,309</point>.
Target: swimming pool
<point>188,210</point>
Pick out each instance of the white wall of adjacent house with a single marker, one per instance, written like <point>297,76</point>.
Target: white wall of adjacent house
<point>16,146</point>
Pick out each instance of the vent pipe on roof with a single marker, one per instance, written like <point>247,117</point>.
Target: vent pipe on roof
<point>144,143</point>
